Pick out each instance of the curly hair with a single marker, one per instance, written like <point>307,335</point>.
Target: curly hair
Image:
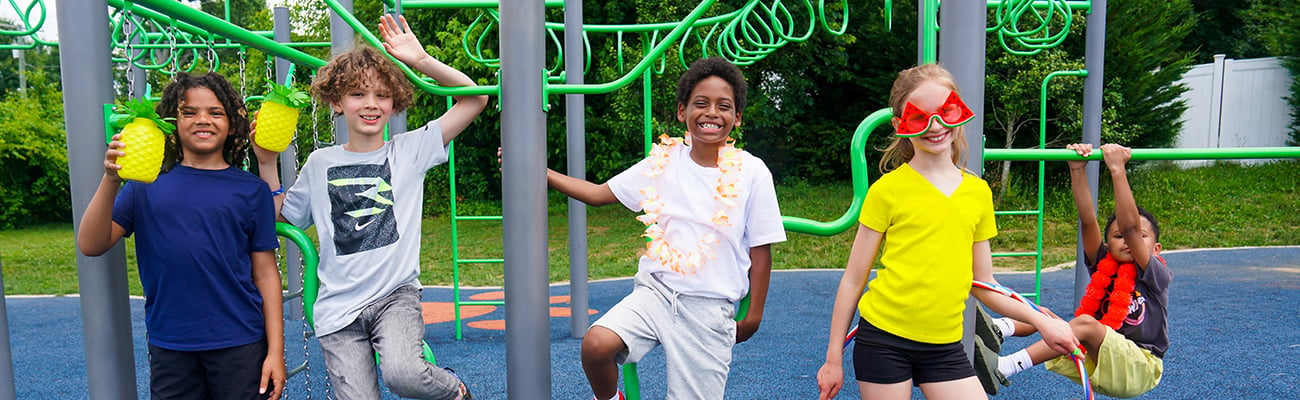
<point>349,71</point>
<point>235,150</point>
<point>713,66</point>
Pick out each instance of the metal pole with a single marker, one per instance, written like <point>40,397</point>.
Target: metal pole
<point>341,36</point>
<point>87,86</point>
<point>523,146</point>
<point>7,391</point>
<point>576,132</point>
<point>288,165</point>
<point>961,50</point>
<point>1093,84</point>
<point>22,68</point>
<point>397,124</point>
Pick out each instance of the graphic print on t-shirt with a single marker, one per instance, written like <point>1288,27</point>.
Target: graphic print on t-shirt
<point>361,207</point>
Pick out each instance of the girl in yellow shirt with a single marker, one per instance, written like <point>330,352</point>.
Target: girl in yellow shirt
<point>931,222</point>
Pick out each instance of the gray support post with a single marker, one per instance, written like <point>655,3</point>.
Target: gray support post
<point>87,86</point>
<point>7,391</point>
<point>288,167</point>
<point>1093,60</point>
<point>576,136</point>
<point>961,50</point>
<point>523,176</point>
<point>397,124</point>
<point>341,37</point>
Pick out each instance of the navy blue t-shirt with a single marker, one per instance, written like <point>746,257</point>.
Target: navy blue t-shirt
<point>194,233</point>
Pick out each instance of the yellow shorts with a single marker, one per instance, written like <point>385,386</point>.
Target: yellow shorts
<point>1119,369</point>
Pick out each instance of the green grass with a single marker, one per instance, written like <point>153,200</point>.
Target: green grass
<point>1226,205</point>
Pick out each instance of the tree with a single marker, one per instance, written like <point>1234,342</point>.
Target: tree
<point>1013,92</point>
<point>1143,65</point>
<point>1222,29</point>
<point>33,158</point>
<point>1275,24</point>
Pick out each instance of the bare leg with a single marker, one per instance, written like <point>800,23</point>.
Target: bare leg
<point>600,347</point>
<point>892,391</point>
<point>961,389</point>
<point>1089,331</point>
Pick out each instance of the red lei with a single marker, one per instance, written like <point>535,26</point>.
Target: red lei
<point>1119,297</point>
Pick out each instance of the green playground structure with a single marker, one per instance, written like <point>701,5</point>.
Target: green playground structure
<point>166,36</point>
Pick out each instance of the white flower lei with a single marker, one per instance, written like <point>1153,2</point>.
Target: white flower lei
<point>658,249</point>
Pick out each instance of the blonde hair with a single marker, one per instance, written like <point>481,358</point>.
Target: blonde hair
<point>900,149</point>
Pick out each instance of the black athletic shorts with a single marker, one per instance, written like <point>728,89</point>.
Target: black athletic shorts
<point>229,373</point>
<point>884,358</point>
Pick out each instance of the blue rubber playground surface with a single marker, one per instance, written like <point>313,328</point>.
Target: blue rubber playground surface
<point>1234,332</point>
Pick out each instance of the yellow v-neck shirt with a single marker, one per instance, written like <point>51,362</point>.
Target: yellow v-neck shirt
<point>921,291</point>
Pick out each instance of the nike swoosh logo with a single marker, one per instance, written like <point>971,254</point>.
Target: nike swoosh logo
<point>363,226</point>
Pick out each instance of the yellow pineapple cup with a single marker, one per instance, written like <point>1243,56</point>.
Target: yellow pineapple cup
<point>142,134</point>
<point>278,118</point>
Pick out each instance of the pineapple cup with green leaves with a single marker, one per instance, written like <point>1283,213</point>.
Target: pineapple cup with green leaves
<point>142,132</point>
<point>278,118</point>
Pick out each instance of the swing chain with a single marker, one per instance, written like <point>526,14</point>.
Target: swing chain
<point>243,79</point>
<point>212,53</point>
<point>175,57</point>
<point>270,74</point>
<point>130,57</point>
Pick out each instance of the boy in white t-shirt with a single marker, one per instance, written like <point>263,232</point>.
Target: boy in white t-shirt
<point>711,216</point>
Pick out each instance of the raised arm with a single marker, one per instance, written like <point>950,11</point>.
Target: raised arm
<point>402,44</point>
<point>830,378</point>
<point>268,168</point>
<point>584,191</point>
<point>1091,235</point>
<point>1126,214</point>
<point>97,232</point>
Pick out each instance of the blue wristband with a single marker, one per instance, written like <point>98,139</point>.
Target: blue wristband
<point>278,192</point>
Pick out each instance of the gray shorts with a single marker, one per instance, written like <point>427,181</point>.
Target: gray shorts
<point>697,334</point>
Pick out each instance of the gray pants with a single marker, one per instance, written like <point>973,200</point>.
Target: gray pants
<point>697,334</point>
<point>393,327</point>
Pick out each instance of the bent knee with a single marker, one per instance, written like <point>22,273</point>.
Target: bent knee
<point>601,343</point>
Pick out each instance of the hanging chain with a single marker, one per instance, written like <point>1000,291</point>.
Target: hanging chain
<point>243,80</point>
<point>212,54</point>
<point>307,333</point>
<point>315,126</point>
<point>175,57</point>
<point>130,57</point>
<point>270,73</point>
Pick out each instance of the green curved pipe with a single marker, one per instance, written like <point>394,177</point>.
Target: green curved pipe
<point>310,259</point>
<point>858,163</point>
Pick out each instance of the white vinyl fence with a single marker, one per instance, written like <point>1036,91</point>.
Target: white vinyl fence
<point>1235,103</point>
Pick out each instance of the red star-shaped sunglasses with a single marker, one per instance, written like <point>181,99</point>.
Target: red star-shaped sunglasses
<point>951,114</point>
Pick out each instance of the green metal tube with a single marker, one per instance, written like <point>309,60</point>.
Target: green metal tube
<point>1083,5</point>
<point>458,4</point>
<point>858,163</point>
<point>651,57</point>
<point>310,259</point>
<point>1145,154</point>
<point>210,23</point>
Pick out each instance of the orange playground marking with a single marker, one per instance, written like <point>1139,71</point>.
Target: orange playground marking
<point>439,312</point>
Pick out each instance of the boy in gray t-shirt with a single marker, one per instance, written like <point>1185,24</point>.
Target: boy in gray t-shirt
<point>364,197</point>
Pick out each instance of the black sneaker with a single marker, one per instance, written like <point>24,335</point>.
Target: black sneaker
<point>464,389</point>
